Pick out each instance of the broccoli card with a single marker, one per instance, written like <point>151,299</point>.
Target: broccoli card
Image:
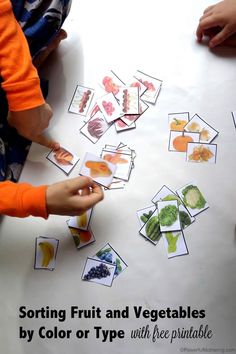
<point>192,199</point>
<point>168,212</point>
<point>174,243</point>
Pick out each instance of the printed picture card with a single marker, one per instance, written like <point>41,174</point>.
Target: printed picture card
<point>145,214</point>
<point>95,127</point>
<point>165,194</point>
<point>234,118</point>
<point>81,221</point>
<point>133,82</point>
<point>201,153</point>
<point>192,199</point>
<point>45,253</point>
<point>63,159</point>
<point>111,83</point>
<point>178,140</point>
<point>174,243</point>
<point>121,126</point>
<point>129,100</point>
<point>198,125</point>
<point>128,119</point>
<point>81,238</point>
<point>116,184</point>
<point>152,84</point>
<point>151,229</point>
<point>101,171</point>
<point>168,212</point>
<point>122,161</point>
<point>98,271</point>
<point>109,255</point>
<point>177,121</point>
<point>109,107</point>
<point>81,100</point>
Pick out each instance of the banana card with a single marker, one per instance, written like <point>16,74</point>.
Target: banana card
<point>45,253</point>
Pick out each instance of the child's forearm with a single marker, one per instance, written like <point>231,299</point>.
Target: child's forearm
<point>22,200</point>
<point>20,78</point>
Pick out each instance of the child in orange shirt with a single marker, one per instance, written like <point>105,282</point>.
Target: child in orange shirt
<point>29,115</point>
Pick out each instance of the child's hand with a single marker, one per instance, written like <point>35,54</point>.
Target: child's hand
<point>219,23</point>
<point>31,123</point>
<point>73,197</point>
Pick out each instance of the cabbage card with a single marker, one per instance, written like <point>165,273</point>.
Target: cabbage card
<point>101,171</point>
<point>81,238</point>
<point>45,253</point>
<point>177,121</point>
<point>193,199</point>
<point>178,140</point>
<point>109,107</point>
<point>80,221</point>
<point>151,229</point>
<point>108,254</point>
<point>63,159</point>
<point>174,243</point>
<point>145,214</point>
<point>98,271</point>
<point>198,125</point>
<point>81,100</point>
<point>95,127</point>
<point>201,153</point>
<point>168,212</point>
<point>152,84</point>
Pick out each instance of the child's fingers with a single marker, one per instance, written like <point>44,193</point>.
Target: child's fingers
<point>220,37</point>
<point>78,183</point>
<point>88,200</point>
<point>206,24</point>
<point>43,140</point>
<point>208,9</point>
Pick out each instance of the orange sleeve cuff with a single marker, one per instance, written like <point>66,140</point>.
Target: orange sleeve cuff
<point>22,199</point>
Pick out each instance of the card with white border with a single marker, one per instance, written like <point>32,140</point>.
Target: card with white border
<point>168,212</point>
<point>101,171</point>
<point>81,100</point>
<point>95,127</point>
<point>133,82</point>
<point>98,271</point>
<point>122,161</point>
<point>201,153</point>
<point>122,126</point>
<point>174,243</point>
<point>81,238</point>
<point>177,121</point>
<point>193,199</point>
<point>63,159</point>
<point>178,140</point>
<point>131,118</point>
<point>108,254</point>
<point>109,107</point>
<point>151,229</point>
<point>111,83</point>
<point>116,184</point>
<point>145,214</point>
<point>129,100</point>
<point>152,84</point>
<point>81,221</point>
<point>197,124</point>
<point>45,253</point>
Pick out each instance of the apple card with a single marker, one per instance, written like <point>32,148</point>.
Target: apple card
<point>201,153</point>
<point>101,171</point>
<point>98,271</point>
<point>177,121</point>
<point>109,107</point>
<point>81,221</point>
<point>168,212</point>
<point>63,159</point>
<point>81,100</point>
<point>178,141</point>
<point>109,255</point>
<point>95,127</point>
<point>145,214</point>
<point>234,118</point>
<point>128,119</point>
<point>122,161</point>
<point>174,243</point>
<point>45,253</point>
<point>122,126</point>
<point>152,84</point>
<point>129,100</point>
<point>192,199</point>
<point>197,124</point>
<point>151,229</point>
<point>111,83</point>
<point>133,82</point>
<point>81,238</point>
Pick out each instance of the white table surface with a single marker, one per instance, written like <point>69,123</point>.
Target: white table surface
<point>157,37</point>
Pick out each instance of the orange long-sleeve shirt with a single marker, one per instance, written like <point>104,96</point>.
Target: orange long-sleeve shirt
<point>22,87</point>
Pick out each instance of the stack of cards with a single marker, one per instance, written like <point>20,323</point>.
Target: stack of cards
<point>169,215</point>
<point>104,266</point>
<point>193,137</point>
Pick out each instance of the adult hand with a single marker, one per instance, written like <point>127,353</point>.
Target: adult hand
<point>73,196</point>
<point>219,23</point>
<point>31,123</point>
